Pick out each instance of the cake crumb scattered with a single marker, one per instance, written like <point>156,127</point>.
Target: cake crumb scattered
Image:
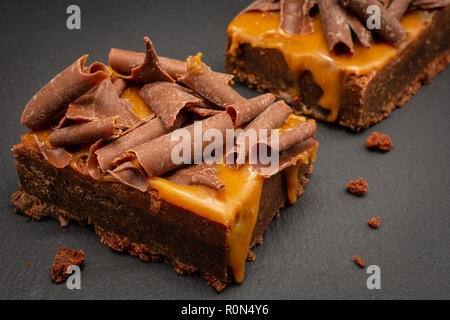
<point>251,256</point>
<point>374,222</point>
<point>63,260</point>
<point>357,187</point>
<point>359,261</point>
<point>259,240</point>
<point>378,141</point>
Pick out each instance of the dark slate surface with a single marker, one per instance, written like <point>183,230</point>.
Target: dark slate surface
<point>307,253</point>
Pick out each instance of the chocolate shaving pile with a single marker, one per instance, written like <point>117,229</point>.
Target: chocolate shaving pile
<point>343,18</point>
<point>84,108</point>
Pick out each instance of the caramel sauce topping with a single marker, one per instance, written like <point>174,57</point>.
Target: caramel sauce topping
<point>310,52</point>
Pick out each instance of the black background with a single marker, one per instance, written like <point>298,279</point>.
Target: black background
<point>307,253</point>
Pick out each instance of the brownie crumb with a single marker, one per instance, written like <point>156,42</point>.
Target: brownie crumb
<point>357,187</point>
<point>359,261</point>
<point>251,256</point>
<point>63,260</point>
<point>374,222</point>
<point>378,141</point>
<point>259,240</point>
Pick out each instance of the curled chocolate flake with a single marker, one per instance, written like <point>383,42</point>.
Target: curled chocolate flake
<point>155,157</point>
<point>92,162</point>
<point>147,131</point>
<point>173,67</point>
<point>286,139</point>
<point>362,33</point>
<point>64,88</point>
<point>85,133</point>
<point>287,158</point>
<point>119,86</point>
<point>57,157</point>
<point>247,110</point>
<point>271,118</point>
<point>197,174</point>
<point>167,99</point>
<point>202,111</point>
<point>103,102</point>
<point>130,175</point>
<point>149,70</point>
<point>263,5</point>
<point>337,30</point>
<point>79,164</point>
<point>295,135</point>
<point>210,85</point>
<point>385,3</point>
<point>398,8</point>
<point>294,15</point>
<point>390,28</point>
<point>428,4</point>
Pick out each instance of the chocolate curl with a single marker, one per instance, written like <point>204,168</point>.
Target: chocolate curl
<point>119,86</point>
<point>167,99</point>
<point>203,112</point>
<point>92,163</point>
<point>294,15</point>
<point>103,102</point>
<point>263,5</point>
<point>249,109</point>
<point>337,31</point>
<point>64,88</point>
<point>390,28</point>
<point>385,3</point>
<point>398,8</point>
<point>271,118</point>
<point>148,131</point>
<point>286,139</point>
<point>428,4</point>
<point>289,138</point>
<point>287,158</point>
<point>198,174</point>
<point>212,86</point>
<point>85,133</point>
<point>362,33</point>
<point>130,175</point>
<point>155,157</point>
<point>297,134</point>
<point>173,67</point>
<point>126,60</point>
<point>58,157</point>
<point>128,65</point>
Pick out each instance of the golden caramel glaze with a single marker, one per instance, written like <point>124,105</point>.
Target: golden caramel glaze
<point>139,107</point>
<point>310,52</point>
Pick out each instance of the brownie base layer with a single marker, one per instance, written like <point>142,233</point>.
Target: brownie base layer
<point>366,99</point>
<point>138,223</point>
